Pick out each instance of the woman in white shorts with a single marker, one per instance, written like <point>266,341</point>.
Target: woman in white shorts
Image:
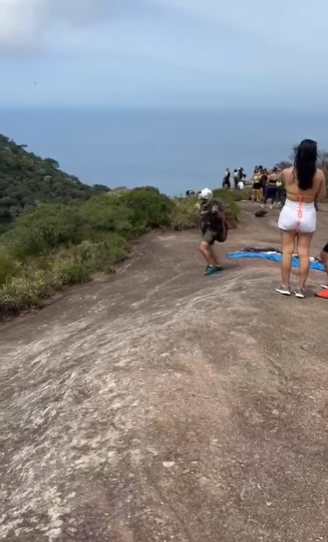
<point>304,185</point>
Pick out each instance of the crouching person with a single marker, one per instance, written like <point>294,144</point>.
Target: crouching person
<point>214,228</point>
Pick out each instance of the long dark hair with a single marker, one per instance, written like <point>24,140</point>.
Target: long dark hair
<point>305,163</point>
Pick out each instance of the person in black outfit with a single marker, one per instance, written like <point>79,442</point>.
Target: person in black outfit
<point>235,178</point>
<point>226,179</point>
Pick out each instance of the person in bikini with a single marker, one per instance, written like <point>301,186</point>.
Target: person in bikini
<point>213,226</point>
<point>305,184</point>
<point>257,187</point>
<point>271,188</point>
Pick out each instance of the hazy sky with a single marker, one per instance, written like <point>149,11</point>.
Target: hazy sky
<point>163,52</point>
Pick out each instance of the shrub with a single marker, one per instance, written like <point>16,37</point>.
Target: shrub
<point>90,257</point>
<point>234,195</point>
<point>68,268</point>
<point>45,229</point>
<point>149,206</point>
<point>26,291</point>
<point>184,214</point>
<point>100,214</point>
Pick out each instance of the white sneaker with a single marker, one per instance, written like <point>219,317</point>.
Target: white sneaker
<point>300,293</point>
<point>324,286</point>
<point>283,290</point>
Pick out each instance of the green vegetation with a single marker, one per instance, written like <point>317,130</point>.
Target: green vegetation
<point>59,244</point>
<point>26,180</point>
<point>233,195</point>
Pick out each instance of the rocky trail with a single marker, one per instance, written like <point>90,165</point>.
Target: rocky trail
<point>160,405</point>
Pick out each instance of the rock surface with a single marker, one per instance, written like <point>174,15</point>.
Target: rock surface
<point>160,405</point>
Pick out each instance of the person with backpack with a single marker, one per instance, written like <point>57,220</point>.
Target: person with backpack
<point>214,228</point>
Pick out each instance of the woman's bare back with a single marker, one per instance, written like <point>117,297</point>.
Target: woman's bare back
<point>316,193</point>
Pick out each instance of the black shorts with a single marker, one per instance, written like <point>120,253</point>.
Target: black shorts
<point>257,186</point>
<point>271,192</point>
<point>325,248</point>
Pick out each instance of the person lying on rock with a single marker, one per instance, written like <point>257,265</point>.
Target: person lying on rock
<point>214,228</point>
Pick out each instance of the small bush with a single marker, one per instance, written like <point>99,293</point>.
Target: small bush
<point>234,195</point>
<point>184,214</point>
<point>69,269</point>
<point>45,229</point>
<point>26,291</point>
<point>149,206</point>
<point>101,214</point>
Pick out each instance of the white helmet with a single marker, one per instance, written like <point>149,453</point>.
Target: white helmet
<point>205,195</point>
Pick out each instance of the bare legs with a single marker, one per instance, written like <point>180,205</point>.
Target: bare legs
<point>288,239</point>
<point>287,242</point>
<point>256,195</point>
<point>209,254</point>
<point>304,243</point>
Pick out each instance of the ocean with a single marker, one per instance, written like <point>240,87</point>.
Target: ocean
<point>174,150</point>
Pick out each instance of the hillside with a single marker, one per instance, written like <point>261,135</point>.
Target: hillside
<point>27,179</point>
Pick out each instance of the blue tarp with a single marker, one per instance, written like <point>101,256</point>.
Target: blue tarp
<point>273,256</point>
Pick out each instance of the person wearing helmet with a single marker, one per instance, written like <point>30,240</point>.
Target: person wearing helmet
<point>214,228</point>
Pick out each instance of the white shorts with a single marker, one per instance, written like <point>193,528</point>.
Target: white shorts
<point>298,216</point>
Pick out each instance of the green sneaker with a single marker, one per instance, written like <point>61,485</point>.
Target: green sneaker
<point>212,270</point>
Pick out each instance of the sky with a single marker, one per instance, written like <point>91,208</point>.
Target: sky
<point>127,53</point>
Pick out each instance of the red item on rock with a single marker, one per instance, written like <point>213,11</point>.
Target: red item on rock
<point>323,294</point>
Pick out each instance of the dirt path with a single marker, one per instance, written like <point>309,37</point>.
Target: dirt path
<point>160,405</point>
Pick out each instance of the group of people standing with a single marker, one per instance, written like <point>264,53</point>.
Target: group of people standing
<point>267,186</point>
<point>303,185</point>
<point>238,177</point>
